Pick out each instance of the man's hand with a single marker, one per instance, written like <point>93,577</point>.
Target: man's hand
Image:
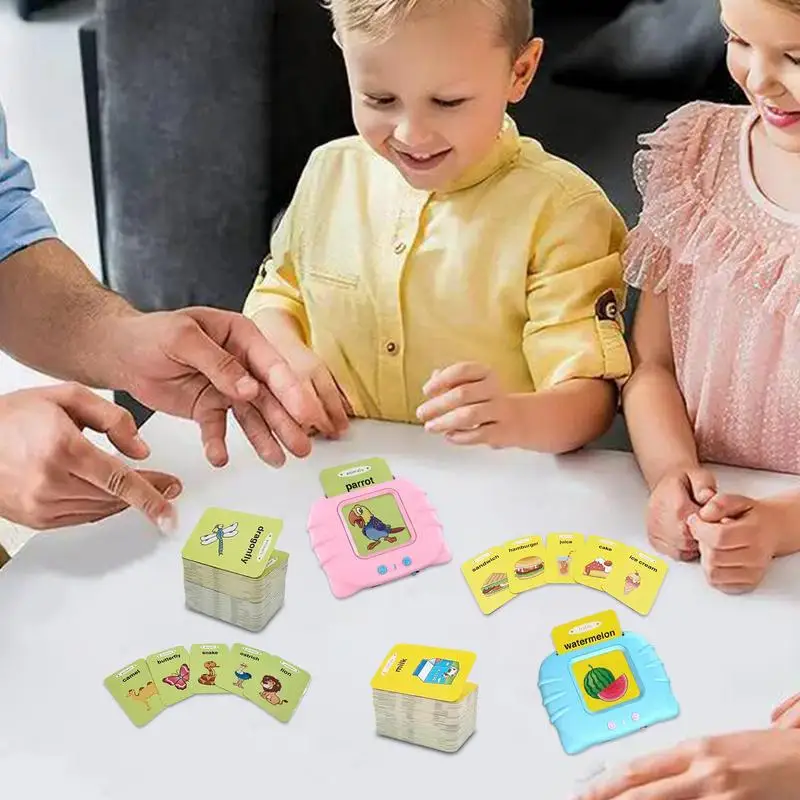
<point>468,406</point>
<point>51,475</point>
<point>741,766</point>
<point>198,363</point>
<point>738,538</point>
<point>679,494</point>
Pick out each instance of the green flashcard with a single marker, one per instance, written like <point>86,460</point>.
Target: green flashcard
<point>278,687</point>
<point>233,541</point>
<point>206,662</point>
<point>136,692</point>
<point>356,475</point>
<point>241,667</point>
<point>170,671</point>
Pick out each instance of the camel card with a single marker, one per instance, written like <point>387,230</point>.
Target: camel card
<point>136,692</point>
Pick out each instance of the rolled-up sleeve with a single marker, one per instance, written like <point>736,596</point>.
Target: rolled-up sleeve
<point>23,218</point>
<point>576,296</point>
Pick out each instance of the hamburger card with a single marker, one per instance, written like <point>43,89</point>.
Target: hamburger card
<point>487,578</point>
<point>594,565</point>
<point>526,559</point>
<point>637,581</point>
<point>561,549</point>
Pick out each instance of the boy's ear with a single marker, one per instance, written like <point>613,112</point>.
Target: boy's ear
<point>337,39</point>
<point>525,68</point>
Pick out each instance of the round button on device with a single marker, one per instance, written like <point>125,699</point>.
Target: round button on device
<point>612,726</point>
<point>391,348</point>
<point>382,570</point>
<point>406,562</point>
<point>635,717</point>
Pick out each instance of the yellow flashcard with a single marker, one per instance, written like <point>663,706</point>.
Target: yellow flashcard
<point>637,579</point>
<point>526,559</point>
<point>487,578</point>
<point>596,562</point>
<point>420,671</point>
<point>561,549</point>
<point>605,679</point>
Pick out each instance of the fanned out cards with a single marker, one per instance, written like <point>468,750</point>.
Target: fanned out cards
<point>146,687</point>
<point>497,575</point>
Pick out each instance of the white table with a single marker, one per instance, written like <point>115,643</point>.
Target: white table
<point>77,605</point>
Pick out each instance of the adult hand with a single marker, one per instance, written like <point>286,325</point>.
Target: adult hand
<point>738,539</point>
<point>51,476</point>
<point>679,494</point>
<point>199,363</point>
<point>787,714</point>
<point>741,766</point>
<point>468,406</point>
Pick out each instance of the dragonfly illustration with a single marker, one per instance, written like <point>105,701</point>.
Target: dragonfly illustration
<point>219,534</point>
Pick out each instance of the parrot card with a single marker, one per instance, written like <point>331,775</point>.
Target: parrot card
<point>170,671</point>
<point>277,687</point>
<point>356,475</point>
<point>527,560</point>
<point>241,667</point>
<point>487,578</point>
<point>561,549</point>
<point>594,564</point>
<point>206,662</point>
<point>136,692</point>
<point>638,579</point>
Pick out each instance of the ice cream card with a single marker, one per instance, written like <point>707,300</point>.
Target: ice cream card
<point>637,580</point>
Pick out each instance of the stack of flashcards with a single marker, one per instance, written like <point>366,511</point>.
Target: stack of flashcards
<point>231,569</point>
<point>146,687</point>
<point>499,574</point>
<point>421,695</point>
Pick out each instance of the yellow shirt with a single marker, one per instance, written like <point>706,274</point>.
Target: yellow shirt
<point>516,266</point>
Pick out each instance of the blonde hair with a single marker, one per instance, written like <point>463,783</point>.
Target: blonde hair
<point>377,18</point>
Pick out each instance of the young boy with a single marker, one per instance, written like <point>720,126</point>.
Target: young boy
<point>439,268</point>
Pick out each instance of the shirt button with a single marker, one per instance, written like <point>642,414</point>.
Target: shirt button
<point>391,348</point>
<point>400,247</point>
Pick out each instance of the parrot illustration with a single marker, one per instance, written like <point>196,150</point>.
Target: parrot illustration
<point>374,529</point>
<point>219,534</point>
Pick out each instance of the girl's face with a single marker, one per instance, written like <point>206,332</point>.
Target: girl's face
<point>764,59</point>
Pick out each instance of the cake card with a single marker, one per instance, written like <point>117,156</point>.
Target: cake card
<point>561,551</point>
<point>170,671</point>
<point>277,687</point>
<point>526,559</point>
<point>487,578</point>
<point>420,671</point>
<point>136,693</point>
<point>206,662</point>
<point>638,579</point>
<point>233,541</point>
<point>355,475</point>
<point>594,564</point>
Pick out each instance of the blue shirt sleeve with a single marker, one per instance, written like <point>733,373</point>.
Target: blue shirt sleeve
<point>23,219</point>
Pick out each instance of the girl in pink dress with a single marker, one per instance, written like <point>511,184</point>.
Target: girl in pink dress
<point>716,340</point>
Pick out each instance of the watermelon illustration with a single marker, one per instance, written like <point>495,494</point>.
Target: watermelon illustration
<point>601,684</point>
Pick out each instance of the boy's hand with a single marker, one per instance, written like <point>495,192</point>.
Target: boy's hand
<point>738,539</point>
<point>679,494</point>
<point>467,404</point>
<point>748,765</point>
<point>787,714</point>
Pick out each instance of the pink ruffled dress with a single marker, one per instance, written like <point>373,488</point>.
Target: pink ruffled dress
<point>729,260</point>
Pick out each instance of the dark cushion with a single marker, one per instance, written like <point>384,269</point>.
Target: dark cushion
<point>659,48</point>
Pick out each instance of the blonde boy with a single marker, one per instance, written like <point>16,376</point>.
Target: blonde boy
<point>439,268</point>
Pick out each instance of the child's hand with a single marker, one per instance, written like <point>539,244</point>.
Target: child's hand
<point>468,406</point>
<point>678,495</point>
<point>745,766</point>
<point>787,714</point>
<point>738,539</point>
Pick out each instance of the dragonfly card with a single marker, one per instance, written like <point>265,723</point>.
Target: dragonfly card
<point>136,692</point>
<point>205,665</point>
<point>170,671</point>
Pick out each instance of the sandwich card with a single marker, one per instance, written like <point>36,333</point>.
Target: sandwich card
<point>561,550</point>
<point>277,687</point>
<point>170,671</point>
<point>526,559</point>
<point>487,577</point>
<point>206,662</point>
<point>595,563</point>
<point>420,671</point>
<point>242,667</point>
<point>637,580</point>
<point>136,692</point>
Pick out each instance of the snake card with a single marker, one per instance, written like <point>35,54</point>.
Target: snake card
<point>206,662</point>
<point>136,692</point>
